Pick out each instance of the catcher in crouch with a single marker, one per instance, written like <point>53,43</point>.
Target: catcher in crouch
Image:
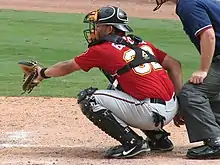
<point>143,81</point>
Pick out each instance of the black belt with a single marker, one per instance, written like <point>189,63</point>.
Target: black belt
<point>157,101</point>
<point>160,101</point>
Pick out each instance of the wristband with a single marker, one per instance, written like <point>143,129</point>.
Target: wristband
<point>42,73</point>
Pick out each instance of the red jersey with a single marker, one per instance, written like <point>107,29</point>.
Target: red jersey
<point>149,80</point>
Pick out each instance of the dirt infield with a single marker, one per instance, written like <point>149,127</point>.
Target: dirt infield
<point>46,131</point>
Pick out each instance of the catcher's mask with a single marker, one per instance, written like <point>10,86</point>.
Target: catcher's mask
<point>109,15</point>
<point>159,4</point>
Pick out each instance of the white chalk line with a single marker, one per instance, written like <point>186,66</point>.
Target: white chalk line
<point>22,139</point>
<point>8,145</point>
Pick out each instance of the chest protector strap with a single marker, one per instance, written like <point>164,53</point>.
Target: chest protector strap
<point>141,56</point>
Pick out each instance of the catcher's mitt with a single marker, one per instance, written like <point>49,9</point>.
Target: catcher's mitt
<point>30,69</point>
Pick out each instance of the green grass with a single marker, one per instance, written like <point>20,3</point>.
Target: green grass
<point>52,37</point>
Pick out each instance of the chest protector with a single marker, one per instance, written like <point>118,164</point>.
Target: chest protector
<point>141,56</point>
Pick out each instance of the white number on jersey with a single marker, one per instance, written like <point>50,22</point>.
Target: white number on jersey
<point>117,46</point>
<point>146,67</point>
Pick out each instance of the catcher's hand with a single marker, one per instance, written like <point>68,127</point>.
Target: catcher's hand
<point>31,71</point>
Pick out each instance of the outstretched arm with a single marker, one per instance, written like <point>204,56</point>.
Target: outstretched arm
<point>62,68</point>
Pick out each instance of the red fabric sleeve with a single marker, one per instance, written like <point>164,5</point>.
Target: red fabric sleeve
<point>88,59</point>
<point>160,55</point>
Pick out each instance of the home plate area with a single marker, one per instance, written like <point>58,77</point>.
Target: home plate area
<point>44,131</point>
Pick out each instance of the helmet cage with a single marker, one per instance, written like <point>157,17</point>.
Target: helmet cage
<point>91,20</point>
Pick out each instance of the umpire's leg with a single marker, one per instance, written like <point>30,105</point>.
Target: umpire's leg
<point>215,105</point>
<point>195,106</point>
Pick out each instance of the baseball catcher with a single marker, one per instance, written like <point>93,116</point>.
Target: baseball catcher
<point>143,83</point>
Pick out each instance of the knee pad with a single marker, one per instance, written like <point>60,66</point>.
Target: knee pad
<point>105,120</point>
<point>86,101</point>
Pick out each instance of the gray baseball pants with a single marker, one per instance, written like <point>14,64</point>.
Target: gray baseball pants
<point>129,111</point>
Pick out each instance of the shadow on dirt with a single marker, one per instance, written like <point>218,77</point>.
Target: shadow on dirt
<point>86,152</point>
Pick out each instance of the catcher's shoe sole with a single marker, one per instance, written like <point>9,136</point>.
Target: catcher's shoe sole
<point>118,152</point>
<point>162,149</point>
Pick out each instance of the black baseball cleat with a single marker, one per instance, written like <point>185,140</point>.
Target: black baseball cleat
<point>163,145</point>
<point>210,150</point>
<point>158,140</point>
<point>121,151</point>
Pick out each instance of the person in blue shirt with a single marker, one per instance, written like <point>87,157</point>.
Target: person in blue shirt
<point>199,98</point>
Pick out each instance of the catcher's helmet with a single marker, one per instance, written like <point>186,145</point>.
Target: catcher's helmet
<point>109,15</point>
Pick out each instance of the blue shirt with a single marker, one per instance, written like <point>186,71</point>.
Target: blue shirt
<point>198,15</point>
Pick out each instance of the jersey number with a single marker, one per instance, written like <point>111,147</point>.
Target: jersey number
<point>145,68</point>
